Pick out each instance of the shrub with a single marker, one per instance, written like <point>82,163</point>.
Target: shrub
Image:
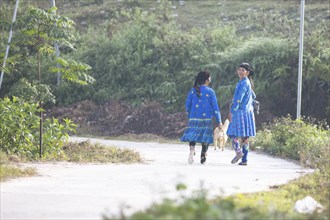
<point>19,130</point>
<point>300,140</point>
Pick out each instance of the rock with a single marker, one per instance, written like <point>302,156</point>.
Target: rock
<point>307,205</point>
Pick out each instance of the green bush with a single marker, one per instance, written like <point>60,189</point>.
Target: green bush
<point>32,92</point>
<point>300,140</point>
<point>150,58</point>
<point>55,135</point>
<point>20,134</point>
<point>146,53</point>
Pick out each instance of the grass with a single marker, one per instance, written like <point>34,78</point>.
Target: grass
<point>195,13</point>
<point>277,203</point>
<point>9,170</point>
<point>13,171</point>
<point>87,152</point>
<point>83,152</point>
<point>282,200</point>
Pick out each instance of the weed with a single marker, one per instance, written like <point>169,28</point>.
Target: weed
<point>88,152</point>
<point>8,170</point>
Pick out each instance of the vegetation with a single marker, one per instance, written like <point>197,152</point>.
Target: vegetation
<point>84,152</point>
<point>37,33</point>
<point>277,203</point>
<point>303,140</point>
<point>143,51</point>
<point>8,170</point>
<point>20,131</point>
<point>19,140</point>
<point>95,153</point>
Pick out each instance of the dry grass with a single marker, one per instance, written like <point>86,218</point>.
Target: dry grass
<point>87,152</point>
<point>10,171</point>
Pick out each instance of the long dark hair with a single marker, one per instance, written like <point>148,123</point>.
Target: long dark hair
<point>201,79</point>
<point>249,68</point>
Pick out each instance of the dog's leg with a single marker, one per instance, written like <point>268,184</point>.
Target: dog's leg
<point>224,141</point>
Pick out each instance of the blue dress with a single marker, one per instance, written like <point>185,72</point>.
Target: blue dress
<point>200,112</point>
<point>243,121</point>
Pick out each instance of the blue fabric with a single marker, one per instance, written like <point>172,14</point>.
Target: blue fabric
<point>200,112</point>
<point>198,130</point>
<point>243,96</point>
<point>235,143</point>
<point>245,152</point>
<point>242,122</point>
<point>203,107</point>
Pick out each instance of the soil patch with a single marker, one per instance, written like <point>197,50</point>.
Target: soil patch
<point>117,118</point>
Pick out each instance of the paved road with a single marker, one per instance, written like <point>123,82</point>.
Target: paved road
<point>80,191</point>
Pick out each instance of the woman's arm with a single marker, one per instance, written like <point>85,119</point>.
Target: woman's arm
<point>215,108</point>
<point>189,101</point>
<point>238,97</point>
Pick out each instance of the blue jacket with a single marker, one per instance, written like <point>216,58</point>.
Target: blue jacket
<point>203,107</point>
<point>243,96</point>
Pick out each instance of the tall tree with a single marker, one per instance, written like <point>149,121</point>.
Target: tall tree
<point>35,34</point>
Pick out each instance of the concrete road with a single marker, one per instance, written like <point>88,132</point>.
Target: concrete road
<point>88,191</point>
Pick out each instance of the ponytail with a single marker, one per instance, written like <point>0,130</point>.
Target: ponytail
<point>251,81</point>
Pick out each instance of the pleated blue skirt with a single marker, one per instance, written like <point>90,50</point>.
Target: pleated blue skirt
<point>242,124</point>
<point>199,131</point>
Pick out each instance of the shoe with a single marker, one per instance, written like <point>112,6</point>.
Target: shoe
<point>238,156</point>
<point>191,156</point>
<point>203,157</point>
<point>242,163</point>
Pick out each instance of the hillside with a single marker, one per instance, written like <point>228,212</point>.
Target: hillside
<point>189,14</point>
<point>251,18</point>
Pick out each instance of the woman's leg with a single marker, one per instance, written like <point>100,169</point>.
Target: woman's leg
<point>205,147</point>
<point>245,147</point>
<point>192,145</point>
<point>236,147</point>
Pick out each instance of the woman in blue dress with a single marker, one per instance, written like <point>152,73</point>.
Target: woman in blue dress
<point>241,116</point>
<point>201,107</point>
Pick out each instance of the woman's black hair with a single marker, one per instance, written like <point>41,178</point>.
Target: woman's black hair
<point>201,79</point>
<point>249,68</point>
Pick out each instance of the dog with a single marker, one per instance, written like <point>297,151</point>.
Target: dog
<point>220,137</point>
